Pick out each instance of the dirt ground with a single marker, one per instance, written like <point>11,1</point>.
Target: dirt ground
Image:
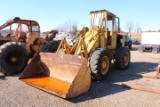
<point>109,93</point>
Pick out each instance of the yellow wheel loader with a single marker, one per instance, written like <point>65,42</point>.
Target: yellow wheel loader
<point>20,40</point>
<point>68,72</point>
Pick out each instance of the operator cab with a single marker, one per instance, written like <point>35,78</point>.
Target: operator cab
<point>110,22</point>
<point>17,28</point>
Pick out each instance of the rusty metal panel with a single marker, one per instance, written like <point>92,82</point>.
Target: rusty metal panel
<point>65,75</point>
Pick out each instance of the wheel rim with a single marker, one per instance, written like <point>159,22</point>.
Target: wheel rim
<point>14,58</point>
<point>126,58</point>
<point>104,65</point>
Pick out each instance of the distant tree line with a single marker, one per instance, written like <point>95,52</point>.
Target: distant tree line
<point>133,28</point>
<point>69,26</point>
<point>136,28</point>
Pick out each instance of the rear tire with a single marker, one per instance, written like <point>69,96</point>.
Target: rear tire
<point>100,64</point>
<point>51,46</point>
<point>122,60</point>
<point>13,58</point>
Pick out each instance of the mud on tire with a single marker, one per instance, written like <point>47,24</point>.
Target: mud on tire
<point>13,58</point>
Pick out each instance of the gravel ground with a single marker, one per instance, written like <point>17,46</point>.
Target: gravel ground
<point>108,93</point>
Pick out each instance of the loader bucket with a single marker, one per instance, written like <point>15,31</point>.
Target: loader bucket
<point>63,75</point>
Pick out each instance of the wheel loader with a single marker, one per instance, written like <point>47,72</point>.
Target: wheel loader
<point>20,40</point>
<point>68,72</point>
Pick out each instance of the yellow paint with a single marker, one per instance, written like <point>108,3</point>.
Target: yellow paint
<point>98,36</point>
<point>69,75</point>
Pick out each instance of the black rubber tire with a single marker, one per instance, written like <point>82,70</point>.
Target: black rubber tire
<point>13,51</point>
<point>120,58</point>
<point>51,46</point>
<point>95,63</point>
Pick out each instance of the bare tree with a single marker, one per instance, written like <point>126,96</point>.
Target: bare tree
<point>138,29</point>
<point>129,26</point>
<point>62,28</point>
<point>74,29</point>
<point>69,26</point>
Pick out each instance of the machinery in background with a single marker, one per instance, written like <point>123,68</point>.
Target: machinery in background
<point>19,41</point>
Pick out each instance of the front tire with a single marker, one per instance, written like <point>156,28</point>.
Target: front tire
<point>100,64</point>
<point>13,58</point>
